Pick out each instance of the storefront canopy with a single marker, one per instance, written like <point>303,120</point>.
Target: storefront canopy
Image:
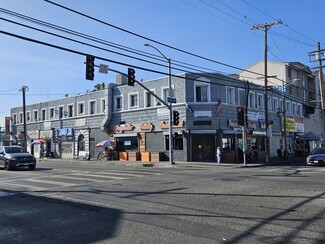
<point>310,136</point>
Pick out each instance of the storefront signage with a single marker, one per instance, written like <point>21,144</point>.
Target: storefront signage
<point>47,125</point>
<point>147,127</point>
<point>261,116</point>
<point>165,125</point>
<point>32,134</point>
<point>252,125</point>
<point>64,132</point>
<point>45,134</point>
<point>253,116</point>
<point>232,123</point>
<point>202,114</point>
<point>294,125</point>
<point>122,128</point>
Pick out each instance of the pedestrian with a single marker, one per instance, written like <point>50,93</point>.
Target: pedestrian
<point>219,154</point>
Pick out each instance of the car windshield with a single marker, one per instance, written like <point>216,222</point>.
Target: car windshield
<point>15,150</point>
<point>318,151</point>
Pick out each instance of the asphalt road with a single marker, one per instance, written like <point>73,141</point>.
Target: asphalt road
<point>90,202</point>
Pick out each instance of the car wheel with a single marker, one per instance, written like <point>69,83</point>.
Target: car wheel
<point>31,167</point>
<point>7,166</point>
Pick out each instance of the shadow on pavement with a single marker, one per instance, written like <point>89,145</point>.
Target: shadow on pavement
<point>38,219</point>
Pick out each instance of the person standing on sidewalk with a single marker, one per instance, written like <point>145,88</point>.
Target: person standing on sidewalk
<point>219,154</point>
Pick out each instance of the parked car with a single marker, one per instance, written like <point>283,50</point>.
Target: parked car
<point>316,157</point>
<point>15,156</point>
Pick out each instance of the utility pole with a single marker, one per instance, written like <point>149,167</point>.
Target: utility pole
<point>266,27</point>
<point>23,90</point>
<point>319,57</point>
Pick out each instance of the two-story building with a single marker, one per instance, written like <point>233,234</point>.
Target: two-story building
<point>138,122</point>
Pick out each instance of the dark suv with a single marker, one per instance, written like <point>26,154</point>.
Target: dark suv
<point>15,156</point>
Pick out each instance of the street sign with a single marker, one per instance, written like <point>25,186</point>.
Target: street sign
<point>103,68</point>
<point>171,99</point>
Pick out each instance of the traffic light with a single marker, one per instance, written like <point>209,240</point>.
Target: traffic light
<point>90,67</point>
<point>131,77</point>
<point>240,116</point>
<point>175,117</point>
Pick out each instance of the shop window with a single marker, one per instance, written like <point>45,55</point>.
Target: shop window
<point>81,143</point>
<point>228,142</point>
<point>178,142</point>
<point>127,144</point>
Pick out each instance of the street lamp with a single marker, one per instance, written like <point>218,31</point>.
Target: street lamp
<point>170,104</point>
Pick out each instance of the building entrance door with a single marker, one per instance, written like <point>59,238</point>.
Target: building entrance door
<point>203,148</point>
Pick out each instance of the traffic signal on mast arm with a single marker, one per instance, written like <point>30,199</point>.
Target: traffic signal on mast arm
<point>90,67</point>
<point>175,117</point>
<point>131,77</point>
<point>240,116</point>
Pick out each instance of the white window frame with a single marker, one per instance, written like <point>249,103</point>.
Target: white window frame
<point>43,112</point>
<point>78,109</point>
<point>129,100</point>
<point>115,102</point>
<point>90,102</point>
<point>253,100</point>
<point>288,107</point>
<point>61,116</point>
<point>260,103</point>
<point>145,98</point>
<point>14,119</point>
<point>299,109</point>
<point>230,100</point>
<point>21,118</point>
<point>103,105</point>
<point>51,109</point>
<point>202,84</point>
<point>165,93</point>
<point>294,108</point>
<point>275,104</point>
<point>281,105</point>
<point>68,110</point>
<point>35,118</point>
<point>239,97</point>
<point>28,116</point>
<point>269,104</point>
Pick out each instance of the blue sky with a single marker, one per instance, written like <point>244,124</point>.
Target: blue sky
<point>216,29</point>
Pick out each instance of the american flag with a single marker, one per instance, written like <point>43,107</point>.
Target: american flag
<point>219,107</point>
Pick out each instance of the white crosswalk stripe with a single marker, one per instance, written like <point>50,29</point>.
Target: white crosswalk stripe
<point>37,183</point>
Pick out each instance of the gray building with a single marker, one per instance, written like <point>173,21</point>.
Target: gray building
<point>207,104</point>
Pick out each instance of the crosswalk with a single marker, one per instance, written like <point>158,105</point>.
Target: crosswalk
<point>30,181</point>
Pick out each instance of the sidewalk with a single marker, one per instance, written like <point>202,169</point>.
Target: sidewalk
<point>291,161</point>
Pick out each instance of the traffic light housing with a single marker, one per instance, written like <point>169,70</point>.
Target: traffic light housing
<point>131,77</point>
<point>175,117</point>
<point>240,116</point>
<point>90,67</point>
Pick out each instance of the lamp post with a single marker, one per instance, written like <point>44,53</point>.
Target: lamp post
<point>170,107</point>
<point>23,90</point>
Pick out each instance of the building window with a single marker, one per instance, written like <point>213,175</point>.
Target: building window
<point>35,115</point>
<point>14,119</point>
<point>28,116</point>
<point>51,113</point>
<point>81,108</point>
<point>288,107</point>
<point>275,104</point>
<point>201,93</point>
<point>251,100</point>
<point>241,97</point>
<point>43,114</point>
<point>281,105</point>
<point>127,144</point>
<point>178,142</point>
<point>118,103</point>
<point>70,111</point>
<point>260,101</point>
<point>60,112</point>
<point>230,95</point>
<point>92,107</point>
<point>294,108</point>
<point>103,106</point>
<point>133,100</point>
<point>269,103</point>
<point>166,94</point>
<point>148,99</point>
<point>21,118</point>
<point>299,110</point>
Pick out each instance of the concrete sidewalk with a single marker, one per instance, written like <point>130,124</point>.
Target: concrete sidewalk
<point>290,161</point>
